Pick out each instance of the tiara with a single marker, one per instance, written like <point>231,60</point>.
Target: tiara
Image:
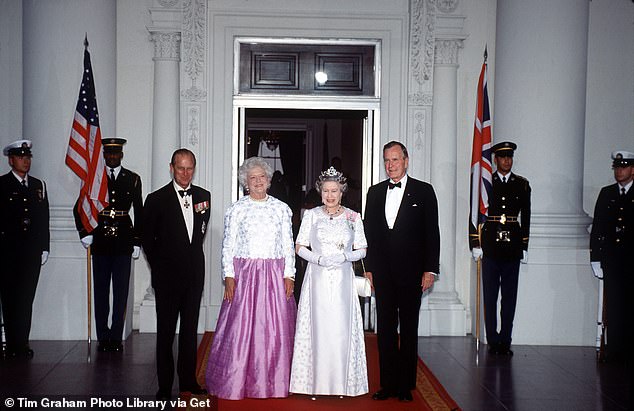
<point>332,175</point>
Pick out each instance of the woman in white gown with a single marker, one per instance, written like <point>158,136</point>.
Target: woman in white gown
<point>329,350</point>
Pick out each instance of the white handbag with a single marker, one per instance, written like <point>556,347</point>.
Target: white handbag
<point>363,286</point>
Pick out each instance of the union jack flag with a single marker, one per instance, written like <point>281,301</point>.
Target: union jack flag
<point>84,154</point>
<point>481,171</point>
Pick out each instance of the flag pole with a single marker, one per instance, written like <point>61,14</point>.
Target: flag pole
<point>478,283</point>
<point>89,286</point>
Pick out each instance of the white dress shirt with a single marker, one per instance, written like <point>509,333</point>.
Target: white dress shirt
<point>116,170</point>
<point>393,200</point>
<point>187,208</point>
<point>626,187</point>
<point>20,179</point>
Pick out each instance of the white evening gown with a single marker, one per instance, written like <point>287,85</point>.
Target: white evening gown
<point>329,351</point>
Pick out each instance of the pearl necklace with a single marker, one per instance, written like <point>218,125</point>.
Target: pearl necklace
<point>331,215</point>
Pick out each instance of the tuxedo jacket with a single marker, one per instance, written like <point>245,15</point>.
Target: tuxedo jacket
<point>116,234</point>
<point>613,224</point>
<point>412,246</point>
<point>24,216</point>
<point>174,260</point>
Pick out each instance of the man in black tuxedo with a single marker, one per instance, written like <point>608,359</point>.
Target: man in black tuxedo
<point>401,226</point>
<point>113,244</point>
<point>24,245</point>
<point>174,224</point>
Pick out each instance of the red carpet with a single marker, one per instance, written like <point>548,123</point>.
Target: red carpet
<point>429,393</point>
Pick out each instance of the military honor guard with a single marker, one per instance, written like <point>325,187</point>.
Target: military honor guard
<point>611,248</point>
<point>114,243</point>
<point>502,245</point>
<point>24,245</point>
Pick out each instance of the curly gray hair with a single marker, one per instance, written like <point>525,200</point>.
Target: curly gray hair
<point>251,163</point>
<point>332,175</point>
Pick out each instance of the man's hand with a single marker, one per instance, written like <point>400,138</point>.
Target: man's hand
<point>476,252</point>
<point>596,269</point>
<point>368,275</point>
<point>44,257</point>
<point>524,259</point>
<point>428,280</point>
<point>136,252</point>
<point>86,241</point>
<point>230,288</point>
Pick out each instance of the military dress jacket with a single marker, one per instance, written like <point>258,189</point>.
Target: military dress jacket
<point>613,225</point>
<point>24,215</point>
<point>505,234</point>
<point>116,234</point>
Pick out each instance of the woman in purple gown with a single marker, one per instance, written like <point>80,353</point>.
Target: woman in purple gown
<point>252,347</point>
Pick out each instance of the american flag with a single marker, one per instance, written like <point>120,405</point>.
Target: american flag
<point>84,154</point>
<point>481,181</point>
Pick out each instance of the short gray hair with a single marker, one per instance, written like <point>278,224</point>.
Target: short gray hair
<point>251,163</point>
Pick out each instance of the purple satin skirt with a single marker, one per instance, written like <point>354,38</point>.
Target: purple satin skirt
<point>252,347</point>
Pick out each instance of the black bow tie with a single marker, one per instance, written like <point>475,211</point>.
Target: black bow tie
<point>184,193</point>
<point>392,185</point>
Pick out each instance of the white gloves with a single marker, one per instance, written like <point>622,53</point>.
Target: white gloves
<point>476,252</point>
<point>332,260</point>
<point>596,269</point>
<point>86,241</point>
<point>355,255</point>
<point>524,259</point>
<point>44,257</point>
<point>136,252</point>
<point>308,255</point>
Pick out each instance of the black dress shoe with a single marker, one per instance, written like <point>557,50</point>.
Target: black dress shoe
<point>104,346</point>
<point>505,349</point>
<point>494,349</point>
<point>197,391</point>
<point>383,394</point>
<point>405,396</point>
<point>115,346</point>
<point>163,396</point>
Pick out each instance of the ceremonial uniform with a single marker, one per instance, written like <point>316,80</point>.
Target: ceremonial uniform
<point>504,242</point>
<point>112,246</point>
<point>612,244</point>
<point>24,246</point>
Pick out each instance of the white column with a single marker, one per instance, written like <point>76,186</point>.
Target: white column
<point>447,313</point>
<point>539,103</point>
<point>165,33</point>
<point>166,110</point>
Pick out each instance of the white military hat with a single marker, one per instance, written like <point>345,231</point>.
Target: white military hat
<point>18,148</point>
<point>622,158</point>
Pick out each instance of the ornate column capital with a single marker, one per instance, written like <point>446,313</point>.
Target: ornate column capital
<point>166,45</point>
<point>447,51</point>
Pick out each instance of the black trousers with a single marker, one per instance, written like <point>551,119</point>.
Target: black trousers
<point>18,283</point>
<point>618,277</point>
<point>398,355</point>
<point>183,301</point>
<point>499,276</point>
<point>113,269</point>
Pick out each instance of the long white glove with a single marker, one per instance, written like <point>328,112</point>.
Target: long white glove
<point>332,260</point>
<point>136,252</point>
<point>476,252</point>
<point>86,241</point>
<point>596,269</point>
<point>355,255</point>
<point>524,259</point>
<point>44,257</point>
<point>308,255</point>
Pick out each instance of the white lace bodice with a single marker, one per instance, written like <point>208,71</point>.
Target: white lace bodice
<point>258,229</point>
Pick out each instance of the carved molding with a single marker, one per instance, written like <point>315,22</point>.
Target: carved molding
<point>166,45</point>
<point>422,41</point>
<point>193,125</point>
<point>420,99</point>
<point>447,51</point>
<point>194,45</point>
<point>419,123</point>
<point>447,6</point>
<point>167,3</point>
